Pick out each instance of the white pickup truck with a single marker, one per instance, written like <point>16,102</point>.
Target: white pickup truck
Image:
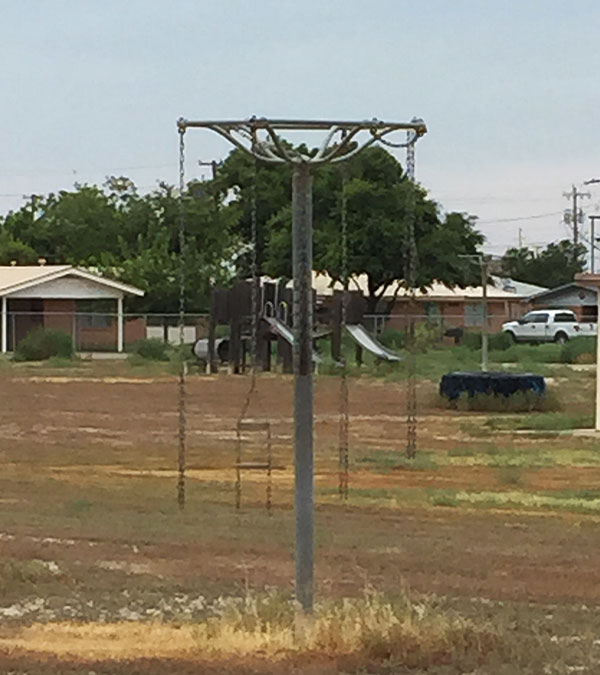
<point>548,325</point>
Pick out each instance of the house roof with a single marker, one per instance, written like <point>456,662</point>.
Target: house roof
<point>557,290</point>
<point>520,288</point>
<point>324,285</point>
<point>15,278</point>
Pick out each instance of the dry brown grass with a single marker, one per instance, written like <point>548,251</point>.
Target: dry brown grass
<point>87,483</point>
<point>370,629</point>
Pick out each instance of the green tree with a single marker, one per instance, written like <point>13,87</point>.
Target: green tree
<point>14,251</point>
<point>379,198</point>
<point>149,251</point>
<point>239,179</point>
<point>135,238</point>
<point>73,227</point>
<point>557,264</point>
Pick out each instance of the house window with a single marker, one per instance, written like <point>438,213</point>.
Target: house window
<point>473,314</point>
<point>95,314</point>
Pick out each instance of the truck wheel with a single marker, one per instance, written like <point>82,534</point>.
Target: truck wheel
<point>511,335</point>
<point>561,338</point>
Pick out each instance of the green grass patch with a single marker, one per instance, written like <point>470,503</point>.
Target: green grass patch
<point>385,461</point>
<point>523,353</point>
<point>461,451</point>
<point>444,498</point>
<point>550,421</point>
<point>521,401</point>
<point>577,501</point>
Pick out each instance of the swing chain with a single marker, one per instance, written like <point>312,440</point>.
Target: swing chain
<point>253,337</point>
<point>182,370</point>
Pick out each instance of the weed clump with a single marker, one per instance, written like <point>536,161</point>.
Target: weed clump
<point>369,628</point>
<point>152,349</point>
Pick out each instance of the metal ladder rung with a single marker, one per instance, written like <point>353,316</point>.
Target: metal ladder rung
<point>253,465</point>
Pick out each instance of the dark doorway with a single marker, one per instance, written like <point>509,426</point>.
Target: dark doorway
<point>24,315</point>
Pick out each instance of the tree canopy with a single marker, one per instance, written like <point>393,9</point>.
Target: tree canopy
<point>378,208</point>
<point>557,264</point>
<point>133,237</point>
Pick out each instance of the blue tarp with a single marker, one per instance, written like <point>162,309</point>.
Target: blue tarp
<point>454,384</point>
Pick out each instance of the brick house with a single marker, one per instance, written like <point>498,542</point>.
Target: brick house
<point>86,306</point>
<point>451,307</point>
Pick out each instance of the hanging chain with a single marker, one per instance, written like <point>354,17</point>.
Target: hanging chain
<point>269,503</point>
<point>253,337</point>
<point>183,364</point>
<point>410,275</point>
<point>343,449</point>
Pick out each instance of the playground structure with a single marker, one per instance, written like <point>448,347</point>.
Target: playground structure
<point>232,307</point>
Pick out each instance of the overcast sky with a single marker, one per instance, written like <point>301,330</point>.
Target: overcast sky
<point>509,91</point>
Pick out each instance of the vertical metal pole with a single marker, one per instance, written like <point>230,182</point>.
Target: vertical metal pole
<point>593,246</point>
<point>598,358</point>
<point>5,325</point>
<point>575,223</point>
<point>120,322</point>
<point>303,382</point>
<point>484,326</point>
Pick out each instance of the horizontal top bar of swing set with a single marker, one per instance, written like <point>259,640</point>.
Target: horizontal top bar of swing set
<point>418,126</point>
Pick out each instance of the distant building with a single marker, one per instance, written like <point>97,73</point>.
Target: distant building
<point>86,306</point>
<point>577,296</point>
<point>451,307</point>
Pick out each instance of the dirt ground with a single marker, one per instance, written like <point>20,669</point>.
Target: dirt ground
<point>88,471</point>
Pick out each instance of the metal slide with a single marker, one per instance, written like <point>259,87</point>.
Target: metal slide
<point>285,332</point>
<point>360,334</point>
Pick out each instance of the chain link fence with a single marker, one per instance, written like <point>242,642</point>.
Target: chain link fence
<point>99,331</point>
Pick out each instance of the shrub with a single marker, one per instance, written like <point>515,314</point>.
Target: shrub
<point>427,335</point>
<point>42,344</point>
<point>394,339</point>
<point>500,341</point>
<point>496,341</point>
<point>153,349</point>
<point>471,340</point>
<point>579,350</point>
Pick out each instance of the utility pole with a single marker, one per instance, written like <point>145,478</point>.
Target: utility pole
<point>593,220</point>
<point>575,217</point>
<point>483,268</point>
<point>520,237</point>
<point>483,263</point>
<point>213,166</point>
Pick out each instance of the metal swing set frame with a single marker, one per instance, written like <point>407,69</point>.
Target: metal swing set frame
<point>261,139</point>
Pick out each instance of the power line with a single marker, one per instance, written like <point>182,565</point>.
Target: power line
<point>513,220</point>
<point>74,172</point>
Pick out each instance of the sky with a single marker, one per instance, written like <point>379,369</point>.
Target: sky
<point>509,91</point>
